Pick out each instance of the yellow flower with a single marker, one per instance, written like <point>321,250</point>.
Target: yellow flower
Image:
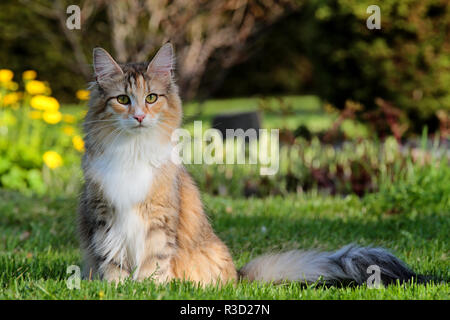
<point>69,130</point>
<point>36,87</point>
<point>52,117</point>
<point>68,118</point>
<point>40,102</point>
<point>10,98</point>
<point>12,86</point>
<point>83,94</point>
<point>78,143</point>
<point>6,75</point>
<point>29,75</point>
<point>52,159</point>
<point>101,294</point>
<point>35,115</point>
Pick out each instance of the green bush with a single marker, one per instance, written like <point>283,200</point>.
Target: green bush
<point>406,62</point>
<point>326,49</point>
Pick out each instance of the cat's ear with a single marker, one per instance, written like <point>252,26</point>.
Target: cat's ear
<point>104,64</point>
<point>163,62</point>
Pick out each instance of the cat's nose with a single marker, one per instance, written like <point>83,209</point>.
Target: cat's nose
<point>139,118</point>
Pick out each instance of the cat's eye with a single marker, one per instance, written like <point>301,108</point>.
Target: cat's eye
<point>151,98</point>
<point>123,99</point>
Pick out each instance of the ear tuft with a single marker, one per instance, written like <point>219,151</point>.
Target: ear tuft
<point>163,60</point>
<point>104,64</point>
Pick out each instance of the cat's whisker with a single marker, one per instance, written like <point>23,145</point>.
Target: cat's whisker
<point>166,126</point>
<point>108,137</point>
<point>162,123</point>
<point>101,120</point>
<point>97,129</point>
<point>118,135</point>
<point>95,143</point>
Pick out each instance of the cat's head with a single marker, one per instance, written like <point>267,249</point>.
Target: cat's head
<point>133,99</point>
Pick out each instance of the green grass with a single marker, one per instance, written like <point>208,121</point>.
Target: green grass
<point>38,242</point>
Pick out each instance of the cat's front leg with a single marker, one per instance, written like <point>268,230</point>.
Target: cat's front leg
<point>112,272</point>
<point>160,248</point>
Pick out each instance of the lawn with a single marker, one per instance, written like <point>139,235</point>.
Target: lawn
<point>39,242</point>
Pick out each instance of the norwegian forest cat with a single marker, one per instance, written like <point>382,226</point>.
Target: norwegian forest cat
<point>140,215</point>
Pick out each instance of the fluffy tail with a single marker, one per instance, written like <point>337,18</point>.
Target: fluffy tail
<point>349,264</point>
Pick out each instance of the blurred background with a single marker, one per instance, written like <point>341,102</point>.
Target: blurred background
<point>357,109</point>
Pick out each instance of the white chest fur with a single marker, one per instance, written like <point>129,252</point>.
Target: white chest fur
<point>125,170</point>
<point>124,241</point>
<point>125,173</point>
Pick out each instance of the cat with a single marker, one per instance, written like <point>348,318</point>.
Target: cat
<point>140,214</point>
